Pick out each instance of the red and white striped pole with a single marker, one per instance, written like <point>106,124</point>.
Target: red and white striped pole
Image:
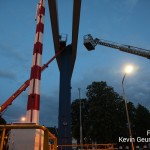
<point>33,106</point>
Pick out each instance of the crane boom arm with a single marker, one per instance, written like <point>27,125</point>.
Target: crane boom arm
<point>13,96</point>
<point>90,44</point>
<point>24,86</point>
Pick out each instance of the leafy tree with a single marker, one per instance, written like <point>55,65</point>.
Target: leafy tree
<point>132,117</point>
<point>104,117</point>
<point>122,129</point>
<point>142,120</point>
<point>104,104</point>
<point>75,113</point>
<point>2,121</point>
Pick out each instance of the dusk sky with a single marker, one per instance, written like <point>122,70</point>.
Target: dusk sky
<point>121,21</point>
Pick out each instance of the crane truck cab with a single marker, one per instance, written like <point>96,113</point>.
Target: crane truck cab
<point>89,42</point>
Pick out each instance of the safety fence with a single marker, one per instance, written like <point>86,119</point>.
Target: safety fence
<point>136,147</point>
<point>87,147</point>
<point>48,136</point>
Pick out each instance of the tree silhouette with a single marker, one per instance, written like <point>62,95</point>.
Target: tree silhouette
<point>104,117</point>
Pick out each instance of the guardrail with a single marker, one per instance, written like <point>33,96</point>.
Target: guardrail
<point>47,135</point>
<point>89,146</point>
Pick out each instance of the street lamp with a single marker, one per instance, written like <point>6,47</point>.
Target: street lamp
<point>23,119</point>
<point>80,121</point>
<point>128,69</point>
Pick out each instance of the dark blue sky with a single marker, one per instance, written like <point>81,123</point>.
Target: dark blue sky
<point>121,21</point>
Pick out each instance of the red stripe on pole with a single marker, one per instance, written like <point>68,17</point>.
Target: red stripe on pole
<point>38,48</point>
<point>33,102</point>
<point>42,11</point>
<point>35,72</point>
<point>40,27</point>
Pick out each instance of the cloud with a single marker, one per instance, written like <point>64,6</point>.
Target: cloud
<point>11,51</point>
<point>127,5</point>
<point>7,74</point>
<point>95,74</point>
<point>48,109</point>
<point>137,87</point>
<point>132,3</point>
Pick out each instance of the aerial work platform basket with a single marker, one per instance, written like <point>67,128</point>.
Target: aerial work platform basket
<point>89,42</point>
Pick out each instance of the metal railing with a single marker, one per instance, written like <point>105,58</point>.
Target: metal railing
<point>47,135</point>
<point>89,146</point>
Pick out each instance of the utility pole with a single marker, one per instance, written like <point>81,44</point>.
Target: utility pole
<point>127,113</point>
<point>81,142</point>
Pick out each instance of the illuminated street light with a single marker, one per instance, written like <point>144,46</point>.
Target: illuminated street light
<point>23,119</point>
<point>128,70</point>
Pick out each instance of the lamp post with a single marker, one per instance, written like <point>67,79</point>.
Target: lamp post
<point>128,69</point>
<point>80,121</point>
